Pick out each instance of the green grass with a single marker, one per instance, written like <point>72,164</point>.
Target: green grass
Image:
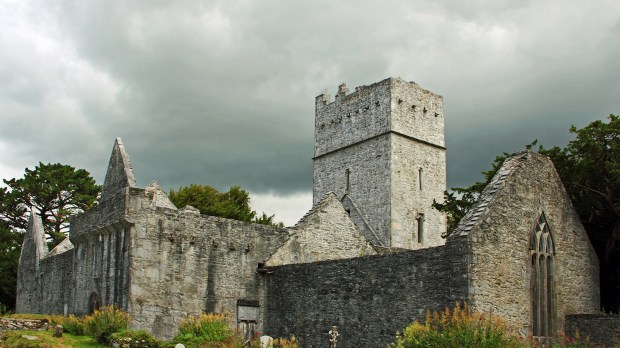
<point>29,316</point>
<point>15,339</point>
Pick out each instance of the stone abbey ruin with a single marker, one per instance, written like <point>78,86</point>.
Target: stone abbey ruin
<point>368,257</point>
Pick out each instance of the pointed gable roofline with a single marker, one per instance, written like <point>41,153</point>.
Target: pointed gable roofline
<point>120,173</point>
<point>326,232</point>
<point>479,209</point>
<point>34,240</point>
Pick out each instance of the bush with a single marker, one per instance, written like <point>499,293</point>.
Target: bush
<point>204,328</point>
<point>134,339</point>
<point>285,343</point>
<point>70,324</point>
<point>458,328</point>
<point>106,321</point>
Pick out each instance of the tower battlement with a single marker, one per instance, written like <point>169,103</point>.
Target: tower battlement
<point>381,150</point>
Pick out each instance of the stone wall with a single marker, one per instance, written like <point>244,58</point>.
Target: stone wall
<point>369,181</point>
<point>325,233</point>
<point>368,298</point>
<point>498,230</point>
<point>600,328</point>
<point>351,118</point>
<point>101,269</point>
<point>23,324</point>
<point>111,208</point>
<point>417,112</point>
<point>184,263</point>
<point>412,197</point>
<point>34,248</point>
<point>374,145</point>
<point>56,280</point>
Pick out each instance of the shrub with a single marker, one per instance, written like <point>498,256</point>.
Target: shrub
<point>106,321</point>
<point>70,324</point>
<point>285,343</point>
<point>205,328</point>
<point>458,328</point>
<point>134,339</point>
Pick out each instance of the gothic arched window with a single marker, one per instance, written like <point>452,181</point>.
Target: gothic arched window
<point>542,251</point>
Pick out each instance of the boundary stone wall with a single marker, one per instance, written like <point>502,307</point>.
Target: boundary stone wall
<point>601,328</point>
<point>368,298</point>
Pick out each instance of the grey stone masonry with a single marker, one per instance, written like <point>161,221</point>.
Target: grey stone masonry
<point>520,253</point>
<point>29,272</point>
<point>599,328</point>
<point>369,298</point>
<point>498,232</point>
<point>326,233</point>
<point>184,263</point>
<point>382,147</point>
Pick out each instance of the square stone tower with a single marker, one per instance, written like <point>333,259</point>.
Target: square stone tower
<point>381,150</point>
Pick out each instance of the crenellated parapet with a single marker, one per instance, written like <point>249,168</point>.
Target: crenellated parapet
<point>381,150</point>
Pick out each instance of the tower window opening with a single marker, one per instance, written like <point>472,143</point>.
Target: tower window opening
<point>420,171</point>
<point>347,174</point>
<point>420,221</point>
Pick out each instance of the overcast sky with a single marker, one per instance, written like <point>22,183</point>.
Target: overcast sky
<point>222,92</point>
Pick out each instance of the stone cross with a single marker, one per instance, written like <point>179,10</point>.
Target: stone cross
<point>333,336</point>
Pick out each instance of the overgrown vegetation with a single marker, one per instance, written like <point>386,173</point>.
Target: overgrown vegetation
<point>464,328</point>
<point>458,328</point>
<point>104,322</point>
<point>108,326</point>
<point>195,330</point>
<point>70,324</point>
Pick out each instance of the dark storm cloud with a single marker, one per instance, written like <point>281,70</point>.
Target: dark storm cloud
<point>222,93</point>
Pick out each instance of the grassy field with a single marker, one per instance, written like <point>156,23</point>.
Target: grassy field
<point>16,339</point>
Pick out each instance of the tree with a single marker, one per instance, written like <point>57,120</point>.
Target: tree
<point>10,248</point>
<point>265,219</point>
<point>233,204</point>
<point>589,167</point>
<point>55,191</point>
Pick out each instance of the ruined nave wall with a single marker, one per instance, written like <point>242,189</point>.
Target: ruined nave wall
<point>184,263</point>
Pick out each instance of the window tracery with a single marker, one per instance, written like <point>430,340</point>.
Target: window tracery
<point>542,251</point>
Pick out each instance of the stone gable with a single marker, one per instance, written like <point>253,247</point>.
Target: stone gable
<point>326,233</point>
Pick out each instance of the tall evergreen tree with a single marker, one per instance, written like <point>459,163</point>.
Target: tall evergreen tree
<point>54,191</point>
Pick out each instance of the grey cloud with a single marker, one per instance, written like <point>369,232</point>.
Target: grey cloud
<point>222,93</point>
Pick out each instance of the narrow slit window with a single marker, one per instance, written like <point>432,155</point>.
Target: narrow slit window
<point>347,174</point>
<point>420,235</point>
<point>420,182</point>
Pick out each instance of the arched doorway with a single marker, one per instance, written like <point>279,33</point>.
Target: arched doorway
<point>94,302</point>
